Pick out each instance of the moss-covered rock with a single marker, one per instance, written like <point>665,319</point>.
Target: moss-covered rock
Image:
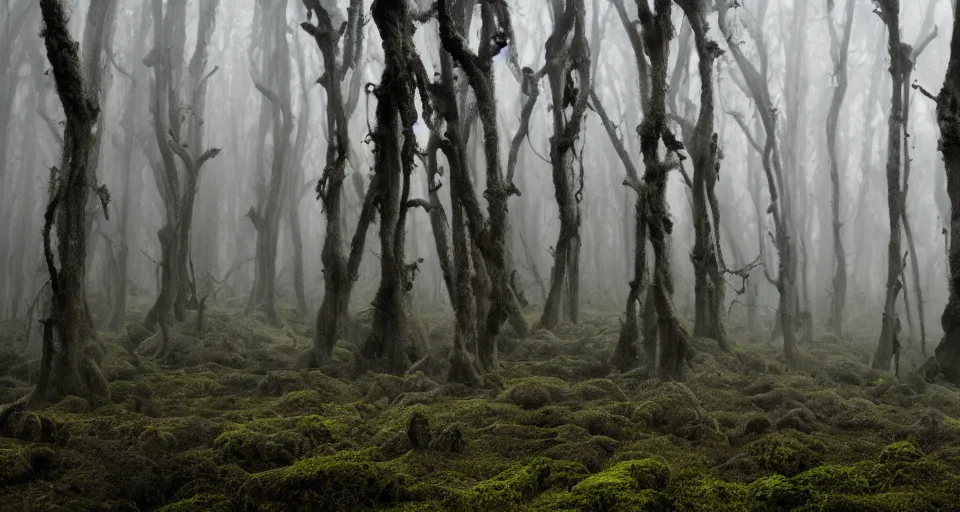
<point>264,444</point>
<point>598,389</point>
<point>787,453</point>
<point>345,481</point>
<point>280,382</point>
<point>673,408</point>
<point>14,467</point>
<point>535,392</point>
<point>628,485</point>
<point>521,483</point>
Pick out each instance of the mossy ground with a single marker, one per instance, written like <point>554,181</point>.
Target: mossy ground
<point>226,426</point>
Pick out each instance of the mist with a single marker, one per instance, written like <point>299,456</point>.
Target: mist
<point>479,254</point>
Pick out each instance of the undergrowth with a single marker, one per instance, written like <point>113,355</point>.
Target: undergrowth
<point>225,425</point>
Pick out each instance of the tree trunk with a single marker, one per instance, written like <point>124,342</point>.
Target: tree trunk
<point>67,367</point>
<point>899,56</point>
<point>396,143</point>
<point>946,359</point>
<point>842,47</point>
<point>274,84</point>
<point>179,137</point>
<point>490,259</point>
<point>706,256</point>
<point>563,60</point>
<point>340,271</point>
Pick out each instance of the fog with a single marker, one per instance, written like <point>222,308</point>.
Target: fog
<point>320,164</point>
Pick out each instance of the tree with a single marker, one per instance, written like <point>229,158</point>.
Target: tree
<point>273,82</point>
<point>68,365</point>
<point>340,271</point>
<point>915,52</point>
<point>488,234</point>
<point>396,150</point>
<point>946,359</point>
<point>567,56</point>
<point>889,12</point>
<point>780,209</point>
<point>704,150</point>
<point>178,184</point>
<point>665,342</point>
<point>132,178</point>
<point>840,47</point>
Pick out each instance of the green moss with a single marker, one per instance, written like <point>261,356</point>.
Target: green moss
<point>787,453</point>
<point>14,467</point>
<point>156,442</point>
<point>600,422</point>
<point>673,408</point>
<point>345,481</point>
<point>265,444</point>
<point>777,492</point>
<point>695,492</point>
<point>902,451</point>
<point>535,392</point>
<point>522,483</point>
<point>299,402</point>
<point>598,389</point>
<point>629,485</point>
<point>201,503</point>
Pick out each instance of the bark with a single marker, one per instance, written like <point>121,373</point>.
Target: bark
<point>673,342</point>
<point>340,270</point>
<point>914,258</point>
<point>396,113</point>
<point>840,48</point>
<point>67,367</point>
<point>274,84</point>
<point>454,263</point>
<point>564,61</point>
<point>179,137</point>
<point>889,12</point>
<point>756,84</point>
<point>488,234</point>
<point>625,355</point>
<point>946,359</point>
<point>706,255</point>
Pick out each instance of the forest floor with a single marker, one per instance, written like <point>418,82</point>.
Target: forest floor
<point>226,426</point>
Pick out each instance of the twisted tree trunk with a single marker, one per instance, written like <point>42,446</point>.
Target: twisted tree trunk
<point>178,189</point>
<point>340,271</point>
<point>396,144</point>
<point>706,257</point>
<point>841,48</point>
<point>566,57</point>
<point>67,367</point>
<point>889,12</point>
<point>274,84</point>
<point>489,235</point>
